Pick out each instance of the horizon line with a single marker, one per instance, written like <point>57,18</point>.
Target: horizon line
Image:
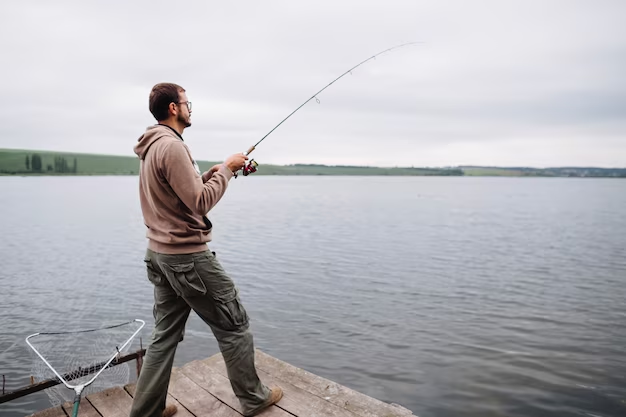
<point>343,165</point>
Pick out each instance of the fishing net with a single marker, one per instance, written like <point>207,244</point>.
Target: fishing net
<point>77,357</point>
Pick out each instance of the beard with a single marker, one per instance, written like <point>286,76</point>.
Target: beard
<point>184,120</point>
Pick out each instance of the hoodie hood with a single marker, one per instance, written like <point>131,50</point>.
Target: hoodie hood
<point>152,134</point>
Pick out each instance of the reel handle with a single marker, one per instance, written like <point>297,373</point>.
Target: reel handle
<point>246,153</point>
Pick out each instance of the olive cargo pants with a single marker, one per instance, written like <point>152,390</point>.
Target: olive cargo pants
<point>182,283</point>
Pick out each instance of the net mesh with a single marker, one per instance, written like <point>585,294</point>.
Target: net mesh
<point>78,355</point>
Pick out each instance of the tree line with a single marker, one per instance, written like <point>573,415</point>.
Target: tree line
<point>34,163</point>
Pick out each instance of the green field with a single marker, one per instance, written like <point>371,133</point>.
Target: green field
<point>30,162</point>
<point>491,172</point>
<point>14,162</point>
<point>544,172</point>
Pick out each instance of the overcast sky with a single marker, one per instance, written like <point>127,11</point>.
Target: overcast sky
<point>533,83</point>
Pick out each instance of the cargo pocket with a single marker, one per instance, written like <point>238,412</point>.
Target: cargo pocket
<point>185,279</point>
<point>230,312</point>
<point>153,275</point>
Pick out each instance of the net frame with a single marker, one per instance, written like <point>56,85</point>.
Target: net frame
<point>80,387</point>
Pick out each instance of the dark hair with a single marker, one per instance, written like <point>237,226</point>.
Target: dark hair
<point>161,96</point>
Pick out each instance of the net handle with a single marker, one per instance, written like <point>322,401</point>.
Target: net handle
<point>80,387</point>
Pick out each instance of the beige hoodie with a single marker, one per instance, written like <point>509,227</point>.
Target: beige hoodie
<point>175,197</point>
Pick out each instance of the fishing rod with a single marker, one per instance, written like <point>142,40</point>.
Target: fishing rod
<point>251,166</point>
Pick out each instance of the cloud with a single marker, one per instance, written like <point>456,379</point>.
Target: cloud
<point>496,83</point>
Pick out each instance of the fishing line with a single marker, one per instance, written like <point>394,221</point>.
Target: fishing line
<point>251,166</point>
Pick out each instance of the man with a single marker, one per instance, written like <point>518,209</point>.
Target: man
<point>175,198</point>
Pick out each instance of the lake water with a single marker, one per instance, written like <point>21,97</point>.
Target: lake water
<point>450,296</point>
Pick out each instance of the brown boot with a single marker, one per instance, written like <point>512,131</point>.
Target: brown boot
<point>170,410</point>
<point>276,393</point>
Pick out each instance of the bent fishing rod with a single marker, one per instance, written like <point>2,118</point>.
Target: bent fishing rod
<point>251,166</point>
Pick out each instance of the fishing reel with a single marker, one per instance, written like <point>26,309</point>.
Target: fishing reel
<point>249,168</point>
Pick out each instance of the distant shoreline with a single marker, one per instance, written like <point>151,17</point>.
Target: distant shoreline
<point>23,162</point>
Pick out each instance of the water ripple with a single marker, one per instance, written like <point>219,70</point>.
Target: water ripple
<point>450,296</point>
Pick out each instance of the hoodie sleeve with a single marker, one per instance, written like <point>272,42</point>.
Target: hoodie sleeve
<point>181,175</point>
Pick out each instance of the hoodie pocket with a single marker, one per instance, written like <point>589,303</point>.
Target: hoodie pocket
<point>184,279</point>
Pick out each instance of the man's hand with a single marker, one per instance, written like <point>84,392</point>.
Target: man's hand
<point>214,169</point>
<point>208,174</point>
<point>236,162</point>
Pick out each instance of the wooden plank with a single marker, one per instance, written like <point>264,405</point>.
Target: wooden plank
<point>343,397</point>
<point>295,400</point>
<point>85,409</point>
<point>182,411</point>
<point>113,402</point>
<point>302,403</point>
<point>212,382</point>
<point>50,412</point>
<point>219,386</point>
<point>352,400</point>
<point>195,399</point>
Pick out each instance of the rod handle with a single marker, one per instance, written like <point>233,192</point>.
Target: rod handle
<point>249,151</point>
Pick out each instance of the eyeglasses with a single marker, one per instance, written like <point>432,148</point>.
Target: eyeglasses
<point>188,103</point>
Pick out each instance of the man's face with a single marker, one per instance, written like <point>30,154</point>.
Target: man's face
<point>184,112</point>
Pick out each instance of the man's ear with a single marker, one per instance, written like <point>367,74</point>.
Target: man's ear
<point>173,109</point>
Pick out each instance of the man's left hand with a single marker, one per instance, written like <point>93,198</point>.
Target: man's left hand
<point>214,169</point>
<point>207,175</point>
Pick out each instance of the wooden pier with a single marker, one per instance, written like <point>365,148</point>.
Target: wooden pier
<point>201,389</point>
